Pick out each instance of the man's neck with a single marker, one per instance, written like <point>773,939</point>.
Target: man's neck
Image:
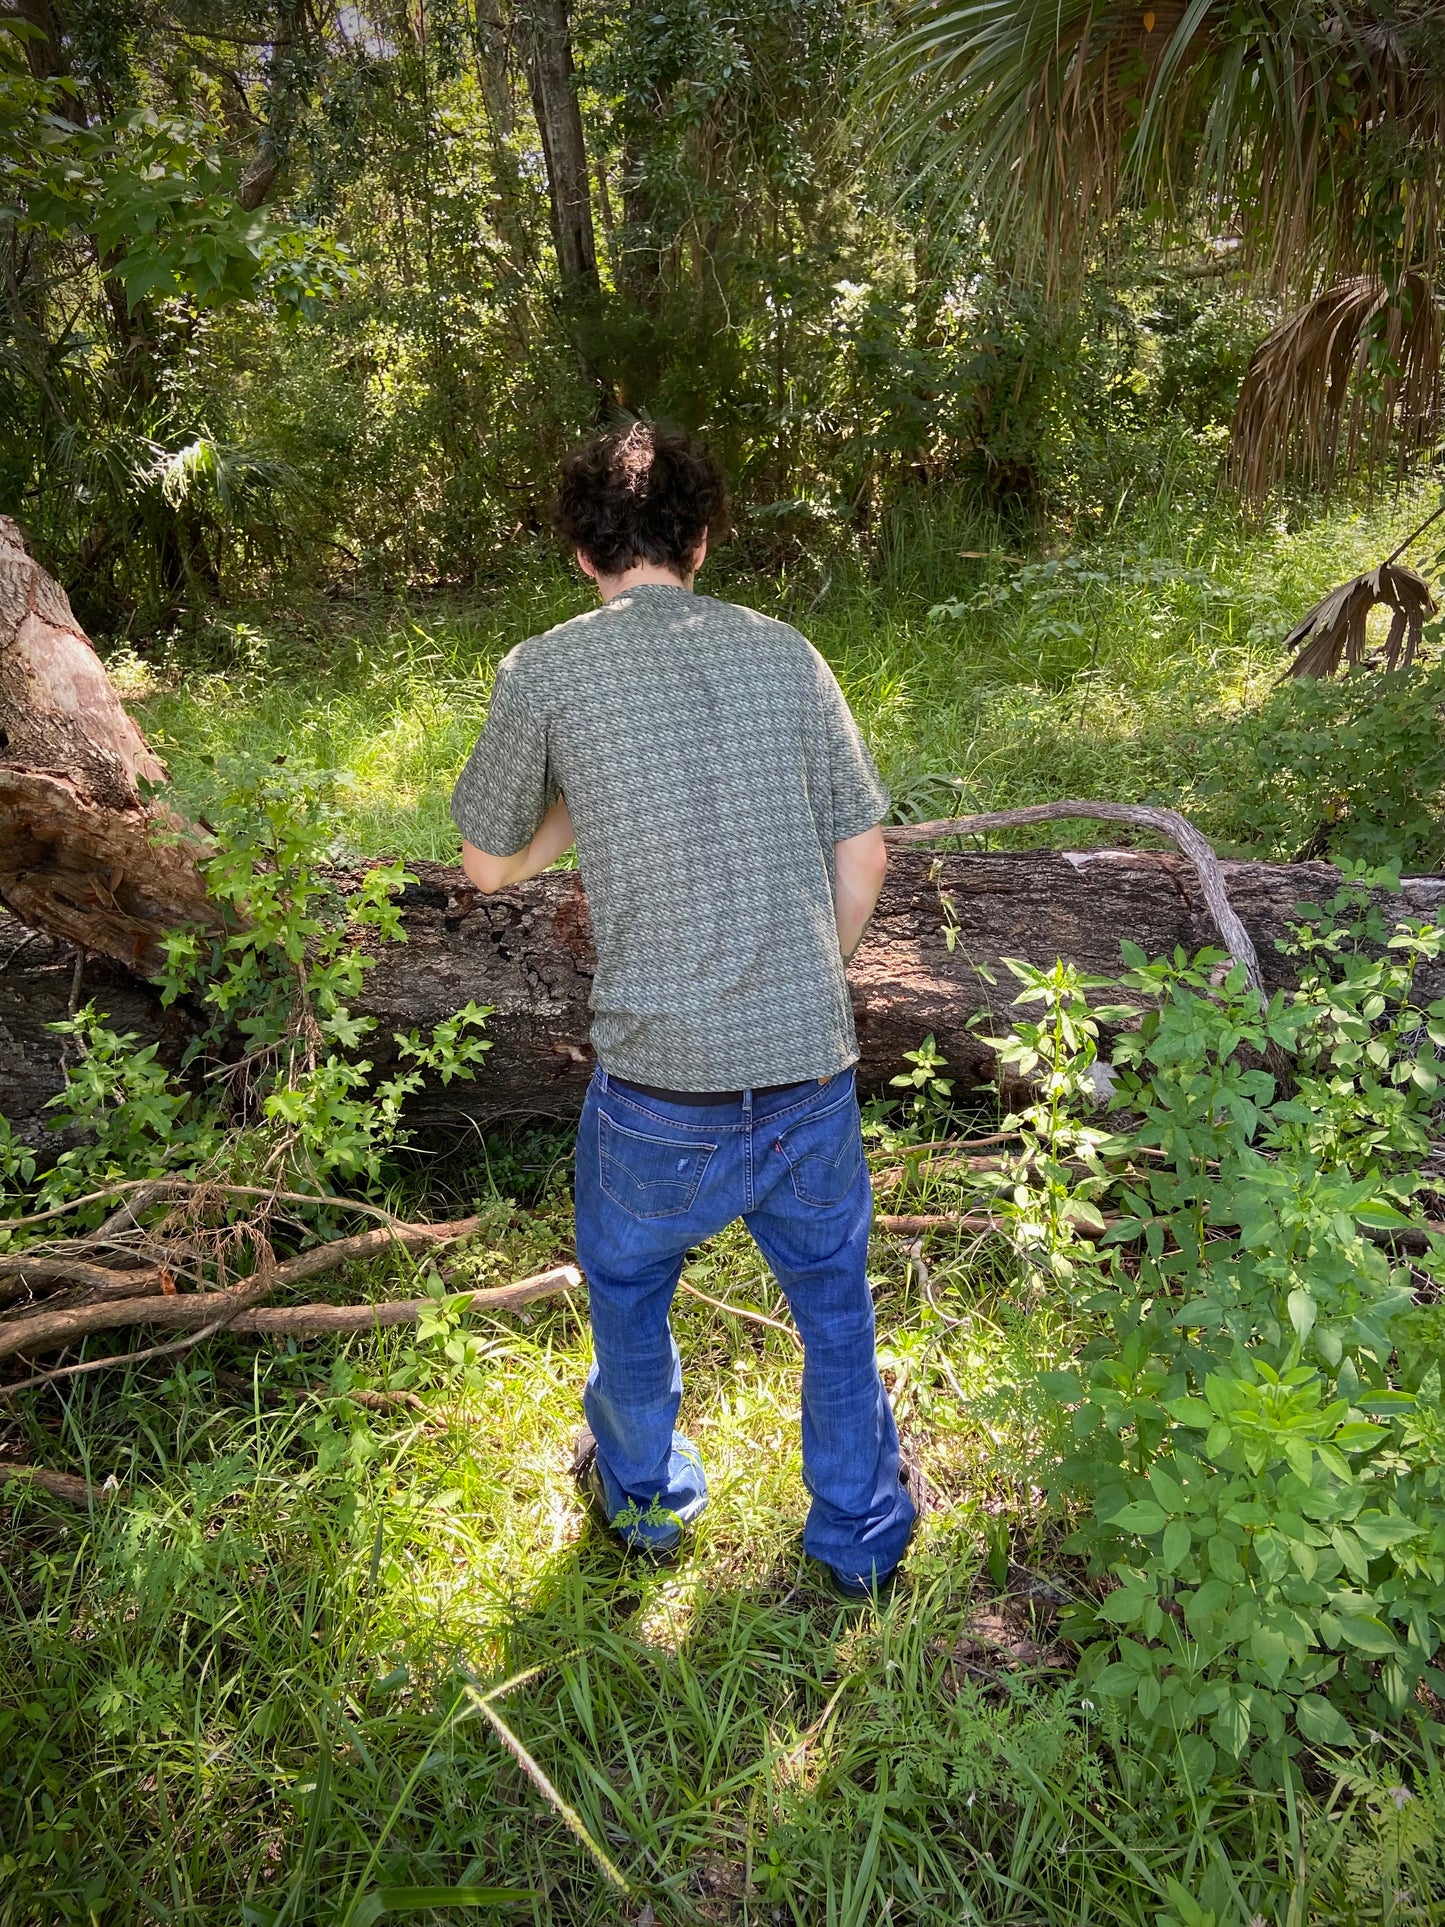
<point>645,574</point>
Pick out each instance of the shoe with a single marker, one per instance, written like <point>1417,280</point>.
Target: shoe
<point>858,1590</point>
<point>662,1539</point>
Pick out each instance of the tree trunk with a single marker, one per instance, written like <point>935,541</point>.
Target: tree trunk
<point>83,854</point>
<point>527,952</point>
<point>547,50</point>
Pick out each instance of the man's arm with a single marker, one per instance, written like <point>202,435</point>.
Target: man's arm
<point>860,864</point>
<point>553,839</point>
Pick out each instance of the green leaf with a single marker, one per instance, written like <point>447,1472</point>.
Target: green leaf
<point>1064,1386</point>
<point>1302,1311</point>
<point>1368,1634</point>
<point>1321,1723</point>
<point>1144,1516</point>
<point>1212,1597</point>
<point>1167,1490</point>
<point>1230,1726</point>
<point>1177,1540</point>
<point>1359,1437</point>
<point>1192,1412</point>
<point>1381,1531</point>
<point>1196,1756</point>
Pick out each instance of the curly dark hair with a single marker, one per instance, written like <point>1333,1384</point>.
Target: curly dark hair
<point>643,493</point>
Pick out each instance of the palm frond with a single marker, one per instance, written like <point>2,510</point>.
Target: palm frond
<point>1315,131</point>
<point>1351,374</point>
<point>1333,635</point>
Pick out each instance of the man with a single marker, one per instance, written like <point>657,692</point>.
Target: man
<point>726,814</point>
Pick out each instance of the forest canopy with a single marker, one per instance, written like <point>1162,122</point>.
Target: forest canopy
<point>318,289</point>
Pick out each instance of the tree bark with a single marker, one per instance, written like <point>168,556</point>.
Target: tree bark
<point>546,35</point>
<point>527,952</point>
<point>83,854</point>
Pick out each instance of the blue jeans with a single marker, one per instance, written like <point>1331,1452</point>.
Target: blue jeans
<point>654,1179</point>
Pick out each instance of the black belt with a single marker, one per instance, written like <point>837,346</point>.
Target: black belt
<point>713,1097</point>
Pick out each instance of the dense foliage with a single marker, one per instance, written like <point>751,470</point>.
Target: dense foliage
<point>1257,1425</point>
<point>279,296</point>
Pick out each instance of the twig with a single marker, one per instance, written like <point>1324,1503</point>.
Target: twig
<point>180,1187</point>
<point>315,1321</point>
<point>44,1330</point>
<point>937,1145</point>
<point>31,936</point>
<point>1237,940</point>
<point>736,1311</point>
<point>935,1221</point>
<point>227,1311</point>
<point>123,1358</point>
<point>60,1485</point>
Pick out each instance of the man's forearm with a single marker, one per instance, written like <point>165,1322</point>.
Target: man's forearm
<point>553,839</point>
<point>860,864</point>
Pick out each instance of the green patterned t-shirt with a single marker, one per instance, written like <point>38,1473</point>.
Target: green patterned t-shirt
<point>709,764</point>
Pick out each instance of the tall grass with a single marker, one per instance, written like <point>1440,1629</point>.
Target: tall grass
<point>239,1691</point>
<point>1111,671</point>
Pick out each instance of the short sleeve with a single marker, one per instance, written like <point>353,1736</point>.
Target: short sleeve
<point>859,798</point>
<point>507,786</point>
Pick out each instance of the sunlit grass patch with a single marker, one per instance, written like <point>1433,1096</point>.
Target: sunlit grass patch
<point>1098,672</point>
<point>238,1692</point>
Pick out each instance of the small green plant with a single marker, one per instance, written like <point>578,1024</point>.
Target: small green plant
<point>274,1083</point>
<point>1046,1190</point>
<point>930,1093</point>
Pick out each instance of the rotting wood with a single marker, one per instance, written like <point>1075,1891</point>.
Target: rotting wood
<point>59,1485</point>
<point>85,854</point>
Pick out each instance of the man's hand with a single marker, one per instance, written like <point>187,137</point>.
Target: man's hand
<point>553,839</point>
<point>860,864</point>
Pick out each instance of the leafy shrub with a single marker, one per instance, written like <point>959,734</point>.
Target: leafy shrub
<point>1352,769</point>
<point>1257,1429</point>
<point>274,1084</point>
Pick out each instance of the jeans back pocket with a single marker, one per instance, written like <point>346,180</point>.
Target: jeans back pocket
<point>650,1177</point>
<point>824,1151</point>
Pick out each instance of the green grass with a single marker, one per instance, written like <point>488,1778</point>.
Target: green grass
<point>1115,674</point>
<point>238,1692</point>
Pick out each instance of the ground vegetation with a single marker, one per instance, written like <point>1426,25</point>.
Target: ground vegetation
<point>303,1619</point>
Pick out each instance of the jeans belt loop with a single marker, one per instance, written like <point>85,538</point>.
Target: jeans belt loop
<point>603,1076</point>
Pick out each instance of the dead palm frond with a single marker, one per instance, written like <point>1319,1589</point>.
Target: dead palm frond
<point>1333,635</point>
<point>1340,381</point>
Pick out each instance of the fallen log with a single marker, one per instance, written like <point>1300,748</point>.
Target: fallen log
<point>95,871</point>
<point>527,952</point>
<point>59,1485</point>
